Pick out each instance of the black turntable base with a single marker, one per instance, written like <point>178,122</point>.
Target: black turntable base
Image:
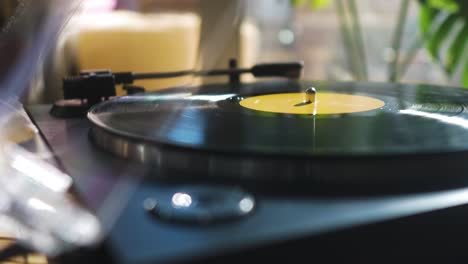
<point>186,175</point>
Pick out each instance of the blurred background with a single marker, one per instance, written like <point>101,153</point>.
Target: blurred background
<point>401,41</point>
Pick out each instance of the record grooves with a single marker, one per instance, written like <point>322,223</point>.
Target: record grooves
<point>208,135</point>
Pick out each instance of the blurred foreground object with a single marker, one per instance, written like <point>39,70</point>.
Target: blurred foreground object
<point>34,205</point>
<point>35,208</point>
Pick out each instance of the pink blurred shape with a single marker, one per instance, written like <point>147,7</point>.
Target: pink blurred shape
<point>99,5</point>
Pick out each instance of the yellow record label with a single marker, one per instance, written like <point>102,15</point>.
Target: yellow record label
<point>325,103</point>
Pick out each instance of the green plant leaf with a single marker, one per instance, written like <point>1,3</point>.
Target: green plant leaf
<point>447,5</point>
<point>317,4</point>
<point>435,42</point>
<point>456,50</point>
<point>465,75</point>
<point>436,33</point>
<point>426,17</point>
<point>313,4</point>
<point>298,2</point>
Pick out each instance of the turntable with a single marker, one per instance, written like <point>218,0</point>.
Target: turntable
<point>279,169</point>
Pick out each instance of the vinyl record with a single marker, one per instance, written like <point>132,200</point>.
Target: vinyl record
<point>358,133</point>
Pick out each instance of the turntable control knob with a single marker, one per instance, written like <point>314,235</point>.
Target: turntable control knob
<point>310,94</point>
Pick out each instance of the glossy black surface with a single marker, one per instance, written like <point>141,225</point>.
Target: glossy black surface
<point>416,119</point>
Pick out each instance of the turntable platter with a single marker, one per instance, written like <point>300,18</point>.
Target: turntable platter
<point>413,119</point>
<point>210,131</point>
